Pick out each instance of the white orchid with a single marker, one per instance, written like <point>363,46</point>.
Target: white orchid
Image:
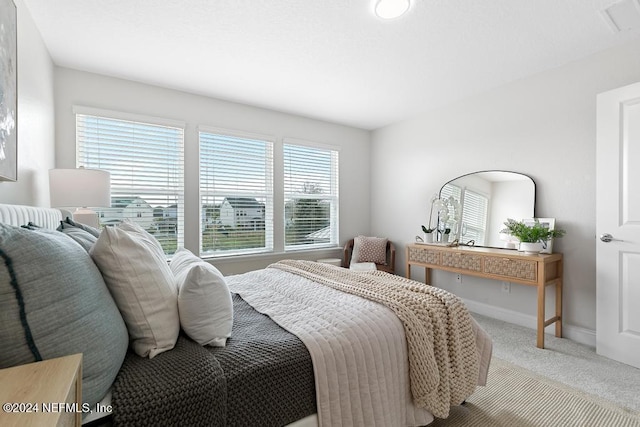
<point>437,204</point>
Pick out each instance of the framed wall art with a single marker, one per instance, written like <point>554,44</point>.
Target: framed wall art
<point>8,91</point>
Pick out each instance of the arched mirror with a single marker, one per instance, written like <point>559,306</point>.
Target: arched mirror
<point>480,203</point>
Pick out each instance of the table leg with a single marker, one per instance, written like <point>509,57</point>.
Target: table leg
<point>559,301</point>
<point>541,313</point>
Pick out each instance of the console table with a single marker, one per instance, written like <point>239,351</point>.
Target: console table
<point>540,270</point>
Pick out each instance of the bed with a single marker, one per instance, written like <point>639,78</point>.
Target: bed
<point>311,344</point>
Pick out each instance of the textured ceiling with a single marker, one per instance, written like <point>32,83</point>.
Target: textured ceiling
<point>327,59</point>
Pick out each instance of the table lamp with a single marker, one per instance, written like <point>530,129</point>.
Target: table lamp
<point>80,188</point>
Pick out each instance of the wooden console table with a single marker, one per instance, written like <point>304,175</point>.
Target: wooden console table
<point>499,264</point>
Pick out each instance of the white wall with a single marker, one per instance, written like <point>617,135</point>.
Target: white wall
<point>74,87</point>
<point>543,126</point>
<point>35,117</point>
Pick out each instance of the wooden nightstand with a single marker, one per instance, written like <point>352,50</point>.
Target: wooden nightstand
<point>47,393</point>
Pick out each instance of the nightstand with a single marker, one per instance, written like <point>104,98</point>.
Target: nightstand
<point>47,393</point>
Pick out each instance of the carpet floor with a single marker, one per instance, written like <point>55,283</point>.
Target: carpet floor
<point>517,397</point>
<point>565,361</point>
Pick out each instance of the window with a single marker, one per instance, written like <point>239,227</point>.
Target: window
<point>146,161</point>
<point>236,193</point>
<point>310,196</point>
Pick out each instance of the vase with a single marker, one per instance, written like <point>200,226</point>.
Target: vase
<point>428,237</point>
<point>531,247</point>
<point>444,238</point>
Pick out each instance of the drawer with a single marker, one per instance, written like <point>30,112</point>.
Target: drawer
<point>462,261</point>
<point>424,255</point>
<point>511,268</point>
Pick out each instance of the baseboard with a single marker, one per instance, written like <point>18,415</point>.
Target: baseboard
<point>574,333</point>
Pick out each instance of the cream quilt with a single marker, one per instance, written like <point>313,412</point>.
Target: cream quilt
<point>367,372</point>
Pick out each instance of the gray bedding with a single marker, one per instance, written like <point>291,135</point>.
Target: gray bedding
<point>263,377</point>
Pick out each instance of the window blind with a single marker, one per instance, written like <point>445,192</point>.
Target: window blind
<point>474,217</point>
<point>236,193</point>
<point>474,212</point>
<point>146,162</point>
<point>454,191</point>
<point>311,196</point>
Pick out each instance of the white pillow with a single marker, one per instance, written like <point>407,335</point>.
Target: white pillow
<point>135,269</point>
<point>204,301</point>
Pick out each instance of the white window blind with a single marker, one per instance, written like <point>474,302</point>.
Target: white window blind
<point>236,193</point>
<point>454,191</point>
<point>311,196</point>
<point>474,217</point>
<point>146,161</point>
<point>474,212</point>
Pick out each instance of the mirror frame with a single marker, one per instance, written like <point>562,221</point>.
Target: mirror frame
<point>535,190</point>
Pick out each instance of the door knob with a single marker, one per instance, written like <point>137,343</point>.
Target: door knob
<point>606,237</point>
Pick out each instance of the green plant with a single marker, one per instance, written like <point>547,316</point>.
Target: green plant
<point>445,231</point>
<point>428,230</point>
<point>531,233</point>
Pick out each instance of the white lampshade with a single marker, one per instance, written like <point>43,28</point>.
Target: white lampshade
<point>80,188</point>
<point>72,188</point>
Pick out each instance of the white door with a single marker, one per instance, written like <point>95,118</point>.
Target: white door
<point>618,215</point>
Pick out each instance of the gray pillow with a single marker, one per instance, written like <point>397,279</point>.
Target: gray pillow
<point>84,238</point>
<point>69,223</point>
<point>53,302</point>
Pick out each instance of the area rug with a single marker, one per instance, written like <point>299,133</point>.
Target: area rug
<point>517,397</point>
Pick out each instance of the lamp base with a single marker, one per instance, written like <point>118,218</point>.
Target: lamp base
<point>87,217</point>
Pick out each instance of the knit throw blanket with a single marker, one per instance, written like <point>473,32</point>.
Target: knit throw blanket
<point>262,378</point>
<point>443,360</point>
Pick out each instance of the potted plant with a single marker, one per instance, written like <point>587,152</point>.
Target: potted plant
<point>533,238</point>
<point>444,235</point>
<point>428,234</point>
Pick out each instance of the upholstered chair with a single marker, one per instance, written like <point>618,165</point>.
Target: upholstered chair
<point>387,264</point>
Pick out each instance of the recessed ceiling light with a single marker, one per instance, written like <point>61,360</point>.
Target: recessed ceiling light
<point>389,9</point>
